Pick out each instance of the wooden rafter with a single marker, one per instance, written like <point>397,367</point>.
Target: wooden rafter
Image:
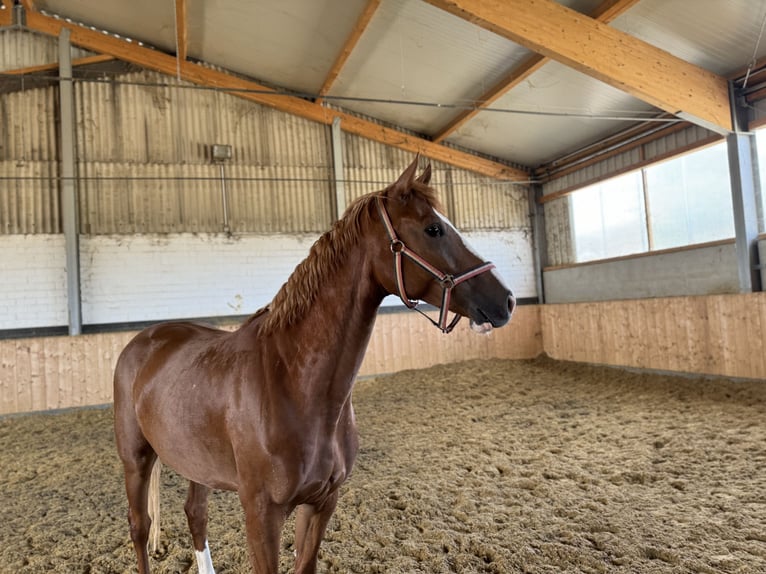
<point>6,15</point>
<point>605,12</point>
<point>182,41</point>
<point>164,63</point>
<point>54,65</point>
<point>348,47</point>
<point>607,54</point>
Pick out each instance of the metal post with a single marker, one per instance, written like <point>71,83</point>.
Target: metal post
<point>745,190</point>
<point>224,200</point>
<point>221,153</point>
<point>69,200</point>
<point>539,245</point>
<point>337,166</point>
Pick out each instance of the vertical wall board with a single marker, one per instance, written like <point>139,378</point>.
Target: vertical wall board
<point>77,371</point>
<point>716,334</point>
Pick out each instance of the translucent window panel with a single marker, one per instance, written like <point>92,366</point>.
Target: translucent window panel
<point>760,144</point>
<point>609,218</point>
<point>689,199</point>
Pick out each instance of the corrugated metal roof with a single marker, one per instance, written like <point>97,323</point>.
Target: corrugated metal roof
<point>414,52</point>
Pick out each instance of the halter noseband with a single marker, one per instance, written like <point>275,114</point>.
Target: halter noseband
<point>448,282</point>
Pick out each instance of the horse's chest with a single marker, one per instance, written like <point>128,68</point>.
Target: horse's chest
<point>324,468</point>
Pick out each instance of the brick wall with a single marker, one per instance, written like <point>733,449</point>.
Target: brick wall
<point>130,278</point>
<point>32,281</point>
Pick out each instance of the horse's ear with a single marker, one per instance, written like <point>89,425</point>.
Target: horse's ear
<point>425,177</point>
<point>403,185</point>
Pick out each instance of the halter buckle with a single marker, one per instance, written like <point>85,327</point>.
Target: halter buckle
<point>447,282</point>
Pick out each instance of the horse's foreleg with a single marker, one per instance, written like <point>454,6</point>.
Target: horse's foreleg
<point>196,515</point>
<point>310,525</point>
<point>263,522</point>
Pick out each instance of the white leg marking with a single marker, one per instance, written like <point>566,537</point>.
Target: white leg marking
<point>204,562</point>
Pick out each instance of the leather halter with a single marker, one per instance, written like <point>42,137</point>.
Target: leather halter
<point>448,282</point>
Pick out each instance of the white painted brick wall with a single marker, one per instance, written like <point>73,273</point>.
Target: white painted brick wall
<point>32,281</point>
<point>156,277</point>
<point>129,278</point>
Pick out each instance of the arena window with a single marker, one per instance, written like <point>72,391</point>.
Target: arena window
<point>683,201</point>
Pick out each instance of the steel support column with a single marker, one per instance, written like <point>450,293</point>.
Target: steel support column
<point>745,190</point>
<point>539,245</point>
<point>69,203</point>
<point>337,167</point>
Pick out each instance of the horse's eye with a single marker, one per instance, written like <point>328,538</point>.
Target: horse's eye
<point>435,230</point>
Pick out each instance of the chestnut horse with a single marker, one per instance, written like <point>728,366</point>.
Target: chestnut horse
<point>266,410</point>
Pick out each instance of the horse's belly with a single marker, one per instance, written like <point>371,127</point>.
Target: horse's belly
<point>194,450</point>
<point>211,469</point>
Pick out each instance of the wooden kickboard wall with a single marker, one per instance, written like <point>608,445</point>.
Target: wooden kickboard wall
<point>45,373</point>
<point>715,334</point>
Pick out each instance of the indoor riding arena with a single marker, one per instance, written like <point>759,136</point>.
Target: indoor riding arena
<point>578,182</point>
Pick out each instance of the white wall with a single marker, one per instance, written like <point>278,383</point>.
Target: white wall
<point>696,271</point>
<point>131,278</point>
<point>32,281</point>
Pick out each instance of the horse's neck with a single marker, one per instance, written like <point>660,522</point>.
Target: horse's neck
<point>323,350</point>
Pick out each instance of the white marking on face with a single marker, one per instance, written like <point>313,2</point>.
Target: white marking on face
<point>204,562</point>
<point>467,245</point>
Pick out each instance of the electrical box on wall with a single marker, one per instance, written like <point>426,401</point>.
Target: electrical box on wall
<point>221,152</point>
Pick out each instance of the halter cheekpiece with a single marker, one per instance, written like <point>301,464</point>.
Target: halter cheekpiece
<point>447,281</point>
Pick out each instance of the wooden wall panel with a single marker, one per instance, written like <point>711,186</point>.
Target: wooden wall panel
<point>46,373</point>
<point>716,334</point>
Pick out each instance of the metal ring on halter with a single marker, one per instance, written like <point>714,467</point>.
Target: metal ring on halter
<point>447,282</point>
<point>396,246</point>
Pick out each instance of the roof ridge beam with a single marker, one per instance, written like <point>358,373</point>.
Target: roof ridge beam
<point>607,54</point>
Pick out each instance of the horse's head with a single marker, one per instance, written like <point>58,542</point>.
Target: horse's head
<point>426,258</point>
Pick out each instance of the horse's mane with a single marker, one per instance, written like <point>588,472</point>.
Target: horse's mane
<point>297,295</point>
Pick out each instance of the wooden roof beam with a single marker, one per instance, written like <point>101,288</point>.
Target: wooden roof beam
<point>84,61</point>
<point>164,63</point>
<point>348,47</point>
<point>605,12</point>
<point>609,55</point>
<point>182,39</point>
<point>6,15</point>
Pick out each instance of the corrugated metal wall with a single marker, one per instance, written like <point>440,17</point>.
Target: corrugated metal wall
<point>144,144</point>
<point>471,201</point>
<point>558,232</point>
<point>630,159</point>
<point>143,148</point>
<point>20,49</point>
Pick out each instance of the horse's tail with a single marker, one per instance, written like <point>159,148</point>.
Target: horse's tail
<point>154,506</point>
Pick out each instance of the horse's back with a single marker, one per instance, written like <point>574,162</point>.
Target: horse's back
<point>153,346</point>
